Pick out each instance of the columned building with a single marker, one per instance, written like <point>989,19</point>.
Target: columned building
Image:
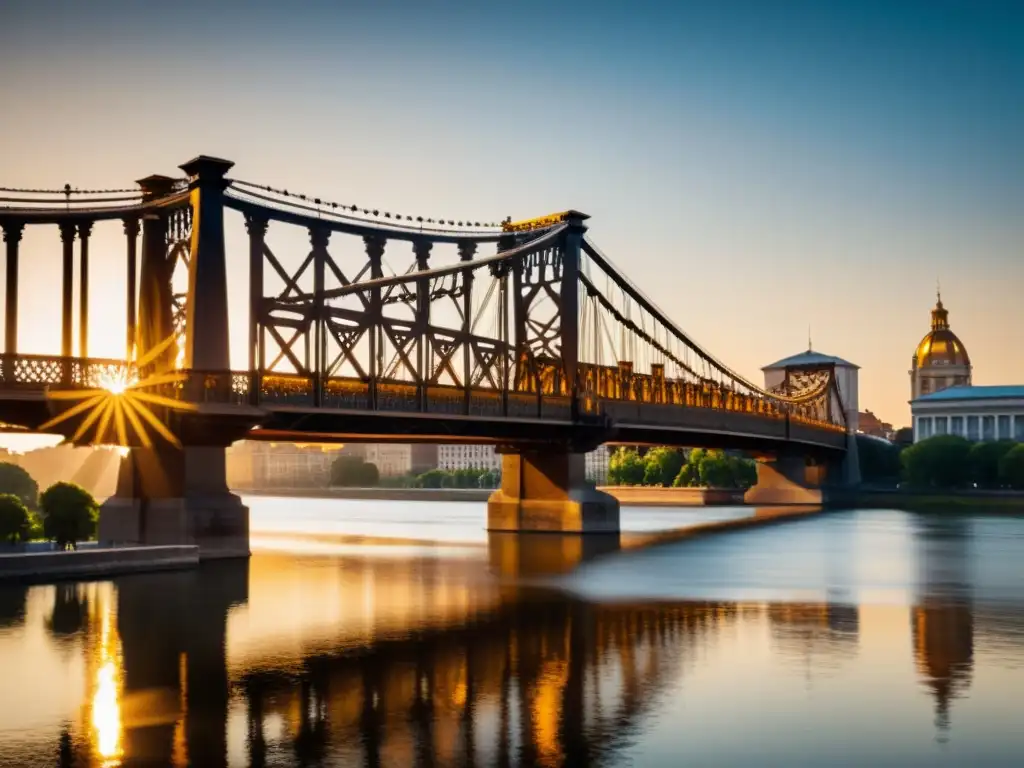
<point>943,400</point>
<point>977,413</point>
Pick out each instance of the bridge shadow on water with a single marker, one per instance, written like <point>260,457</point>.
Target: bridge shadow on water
<point>418,659</point>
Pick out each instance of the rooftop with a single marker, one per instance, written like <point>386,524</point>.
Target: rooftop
<point>809,358</point>
<point>999,392</point>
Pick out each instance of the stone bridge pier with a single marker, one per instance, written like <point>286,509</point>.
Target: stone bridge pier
<point>546,490</point>
<point>797,478</point>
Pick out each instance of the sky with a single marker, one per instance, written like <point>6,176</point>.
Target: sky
<point>758,169</point>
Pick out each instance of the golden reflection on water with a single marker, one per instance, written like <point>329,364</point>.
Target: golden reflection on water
<point>404,660</point>
<point>106,709</point>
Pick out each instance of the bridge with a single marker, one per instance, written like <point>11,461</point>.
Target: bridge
<point>519,334</point>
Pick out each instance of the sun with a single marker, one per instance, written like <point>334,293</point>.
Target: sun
<point>120,403</point>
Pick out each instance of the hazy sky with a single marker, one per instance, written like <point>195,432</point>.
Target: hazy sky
<point>757,167</point>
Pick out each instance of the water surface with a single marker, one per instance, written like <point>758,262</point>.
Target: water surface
<point>854,638</point>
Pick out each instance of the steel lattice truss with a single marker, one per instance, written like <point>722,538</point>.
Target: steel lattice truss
<point>357,308</point>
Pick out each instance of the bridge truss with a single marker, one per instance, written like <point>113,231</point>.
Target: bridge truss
<point>359,309</point>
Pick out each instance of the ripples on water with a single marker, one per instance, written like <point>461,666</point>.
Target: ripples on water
<point>859,638</point>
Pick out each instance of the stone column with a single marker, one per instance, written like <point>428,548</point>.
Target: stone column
<point>67,236</point>
<point>546,490</point>
<point>131,233</point>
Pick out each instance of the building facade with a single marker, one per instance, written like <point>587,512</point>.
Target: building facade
<point>452,457</point>
<point>976,413</point>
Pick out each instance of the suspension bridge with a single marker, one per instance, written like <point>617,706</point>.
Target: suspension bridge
<point>369,325</point>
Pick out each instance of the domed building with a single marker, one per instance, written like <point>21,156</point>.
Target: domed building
<point>940,360</point>
<point>943,400</point>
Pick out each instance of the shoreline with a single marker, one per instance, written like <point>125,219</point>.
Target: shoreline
<point>628,496</point>
<point>655,496</point>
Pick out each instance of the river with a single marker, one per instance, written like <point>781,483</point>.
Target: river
<point>387,633</point>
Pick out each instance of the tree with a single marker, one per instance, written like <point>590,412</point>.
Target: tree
<point>985,459</point>
<point>69,514</point>
<point>938,462</point>
<point>1011,467</point>
<point>625,467</point>
<point>354,472</point>
<point>662,465</point>
<point>879,460</point>
<point>433,478</point>
<point>16,481</point>
<point>716,469</point>
<point>15,519</point>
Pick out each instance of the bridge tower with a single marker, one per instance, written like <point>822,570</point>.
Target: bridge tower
<point>545,488</point>
<point>792,476</point>
<point>168,494</point>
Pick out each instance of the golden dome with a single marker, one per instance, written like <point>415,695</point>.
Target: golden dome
<point>940,346</point>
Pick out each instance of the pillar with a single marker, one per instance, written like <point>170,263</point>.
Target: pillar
<point>546,490</point>
<point>569,309</point>
<point>206,326</point>
<point>131,233</point>
<point>84,231</point>
<point>166,495</point>
<point>785,479</point>
<point>155,321</point>
<point>67,236</point>
<point>12,238</point>
<point>467,250</point>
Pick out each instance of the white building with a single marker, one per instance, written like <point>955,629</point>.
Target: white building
<point>790,368</point>
<point>977,413</point>
<point>462,456</point>
<point>453,457</point>
<point>942,399</point>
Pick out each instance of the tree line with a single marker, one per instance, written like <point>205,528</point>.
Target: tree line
<point>355,472</point>
<point>679,468</point>
<point>950,461</point>
<point>64,513</point>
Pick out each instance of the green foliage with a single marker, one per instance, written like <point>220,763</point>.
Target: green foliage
<point>434,478</point>
<point>984,460</point>
<point>69,514</point>
<point>938,462</point>
<point>625,467</point>
<point>662,465</point>
<point>354,472</point>
<point>879,460</point>
<point>1011,467</point>
<point>16,481</point>
<point>15,519</point>
<point>716,469</point>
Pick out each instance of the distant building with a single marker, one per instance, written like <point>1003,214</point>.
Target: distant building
<point>784,372</point>
<point>869,424</point>
<point>977,413</point>
<point>460,456</point>
<point>943,400</point>
<point>265,466</point>
<point>463,456</point>
<point>940,359</point>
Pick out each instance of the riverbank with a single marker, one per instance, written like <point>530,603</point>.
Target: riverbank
<point>1005,502</point>
<point>628,496</point>
<point>90,562</point>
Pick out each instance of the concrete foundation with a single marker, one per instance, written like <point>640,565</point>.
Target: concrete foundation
<point>173,497</point>
<point>786,480</point>
<point>547,491</point>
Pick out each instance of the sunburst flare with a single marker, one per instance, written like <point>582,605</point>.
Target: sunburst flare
<point>123,401</point>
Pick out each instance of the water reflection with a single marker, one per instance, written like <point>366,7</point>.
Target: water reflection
<point>943,618</point>
<point>413,659</point>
